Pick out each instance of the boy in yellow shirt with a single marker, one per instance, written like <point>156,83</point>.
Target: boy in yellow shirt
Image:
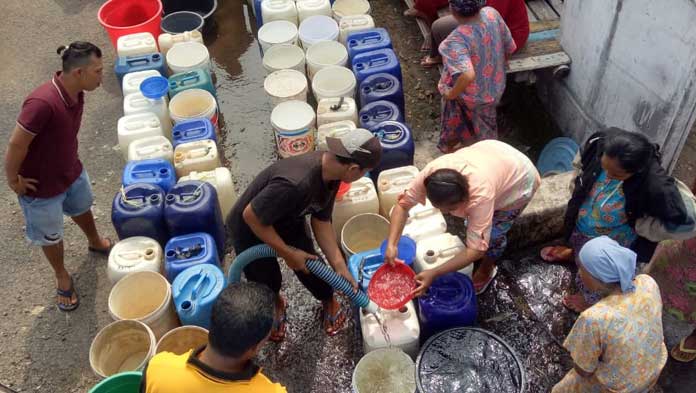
<point>241,322</point>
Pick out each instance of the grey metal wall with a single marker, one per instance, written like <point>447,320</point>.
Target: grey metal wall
<point>634,66</point>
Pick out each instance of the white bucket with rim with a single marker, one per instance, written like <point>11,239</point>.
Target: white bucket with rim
<point>121,346</point>
<point>188,56</point>
<point>284,57</point>
<point>147,297</point>
<point>192,104</point>
<point>316,29</point>
<point>384,370</point>
<point>285,85</point>
<point>343,8</point>
<point>324,54</point>
<point>182,339</point>
<point>276,33</point>
<point>294,126</point>
<point>364,232</point>
<point>333,81</point>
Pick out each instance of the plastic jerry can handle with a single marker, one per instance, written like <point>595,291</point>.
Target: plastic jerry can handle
<point>379,61</point>
<point>199,284</point>
<point>131,255</point>
<point>137,60</point>
<point>193,132</point>
<point>150,149</point>
<point>190,79</point>
<point>371,39</point>
<point>144,174</point>
<point>199,152</point>
<point>359,190</point>
<point>424,213</point>
<point>450,251</point>
<point>384,85</point>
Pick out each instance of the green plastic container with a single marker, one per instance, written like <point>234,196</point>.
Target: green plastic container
<point>128,382</point>
<point>196,79</point>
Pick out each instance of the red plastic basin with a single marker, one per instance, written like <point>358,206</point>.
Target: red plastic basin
<point>123,17</point>
<point>391,286</point>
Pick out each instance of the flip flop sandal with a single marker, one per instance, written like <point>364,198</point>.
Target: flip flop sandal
<point>551,254</point>
<point>488,283</point>
<point>332,320</point>
<point>280,326</point>
<point>103,251</point>
<point>68,294</point>
<point>690,353</point>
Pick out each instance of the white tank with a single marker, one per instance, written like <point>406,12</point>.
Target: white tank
<point>166,40</point>
<point>132,80</point>
<point>335,130</point>
<point>221,179</point>
<point>329,110</point>
<point>285,85</point>
<point>133,254</point>
<point>137,103</point>
<point>137,126</point>
<point>351,23</point>
<point>360,199</point>
<point>434,251</point>
<point>402,327</point>
<point>391,183</point>
<point>307,8</point>
<point>344,8</point>
<point>136,44</point>
<point>424,221</point>
<point>151,147</point>
<point>324,54</point>
<point>272,10</point>
<point>196,156</point>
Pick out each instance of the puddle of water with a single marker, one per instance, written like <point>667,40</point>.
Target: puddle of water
<point>246,135</point>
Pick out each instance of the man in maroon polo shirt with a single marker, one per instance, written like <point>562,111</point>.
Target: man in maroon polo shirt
<point>43,168</point>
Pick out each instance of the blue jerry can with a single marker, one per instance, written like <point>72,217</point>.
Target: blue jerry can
<point>374,113</point>
<point>382,87</point>
<point>128,64</point>
<point>138,210</point>
<point>195,291</point>
<point>398,147</point>
<point>193,130</point>
<point>450,302</point>
<point>182,252</point>
<point>362,41</point>
<point>375,62</point>
<point>156,171</point>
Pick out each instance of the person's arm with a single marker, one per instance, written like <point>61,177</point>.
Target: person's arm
<point>581,372</point>
<point>16,152</point>
<point>462,82</point>
<point>326,238</point>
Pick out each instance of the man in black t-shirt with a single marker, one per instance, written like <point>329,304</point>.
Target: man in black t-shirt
<point>272,210</point>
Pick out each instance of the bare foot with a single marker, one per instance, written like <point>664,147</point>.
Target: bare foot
<point>576,303</point>
<point>429,62</point>
<point>414,13</point>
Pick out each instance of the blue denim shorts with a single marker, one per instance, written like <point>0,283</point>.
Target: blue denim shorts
<point>44,216</point>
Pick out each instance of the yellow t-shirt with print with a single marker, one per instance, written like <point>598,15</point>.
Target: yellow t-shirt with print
<point>171,373</point>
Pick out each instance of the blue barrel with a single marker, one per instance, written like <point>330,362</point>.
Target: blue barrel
<point>375,62</point>
<point>182,252</point>
<point>382,87</point>
<point>368,40</point>
<point>557,156</point>
<point>406,249</point>
<point>195,79</point>
<point>397,146</point>
<point>363,265</point>
<point>450,302</point>
<point>193,130</point>
<point>138,210</point>
<point>125,65</point>
<point>374,113</point>
<point>192,206</point>
<point>195,291</point>
<point>156,171</point>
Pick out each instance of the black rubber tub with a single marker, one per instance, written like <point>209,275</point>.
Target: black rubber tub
<point>205,8</point>
<point>181,21</point>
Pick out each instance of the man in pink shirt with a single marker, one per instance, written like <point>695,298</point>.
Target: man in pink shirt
<point>489,183</point>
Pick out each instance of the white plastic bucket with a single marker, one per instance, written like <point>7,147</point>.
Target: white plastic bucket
<point>192,104</point>
<point>317,28</point>
<point>133,254</point>
<point>343,8</point>
<point>324,54</point>
<point>333,81</point>
<point>121,346</point>
<point>284,57</point>
<point>182,339</point>
<point>364,232</point>
<point>294,126</point>
<point>147,297</point>
<point>307,8</point>
<point>188,56</point>
<point>272,10</point>
<point>276,33</point>
<point>384,370</point>
<point>285,85</point>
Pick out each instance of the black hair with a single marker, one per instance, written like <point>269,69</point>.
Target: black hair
<point>77,54</point>
<point>446,186</point>
<point>632,150</point>
<point>347,161</point>
<point>242,317</point>
<point>467,8</point>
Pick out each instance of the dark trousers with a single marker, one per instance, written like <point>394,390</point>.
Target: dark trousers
<point>267,270</point>
<point>439,30</point>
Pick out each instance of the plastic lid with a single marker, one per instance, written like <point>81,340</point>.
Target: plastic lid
<point>406,249</point>
<point>391,286</point>
<point>154,87</point>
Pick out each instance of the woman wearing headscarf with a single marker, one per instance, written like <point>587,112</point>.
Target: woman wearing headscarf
<point>621,180</point>
<point>489,183</point>
<point>617,345</point>
<point>473,75</point>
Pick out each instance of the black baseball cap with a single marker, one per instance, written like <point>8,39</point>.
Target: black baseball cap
<point>360,145</point>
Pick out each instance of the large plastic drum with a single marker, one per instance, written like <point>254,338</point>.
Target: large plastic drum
<point>188,56</point>
<point>324,54</point>
<point>294,126</point>
<point>285,85</point>
<point>284,57</point>
<point>333,81</point>
<point>317,28</point>
<point>277,32</point>
<point>476,349</point>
